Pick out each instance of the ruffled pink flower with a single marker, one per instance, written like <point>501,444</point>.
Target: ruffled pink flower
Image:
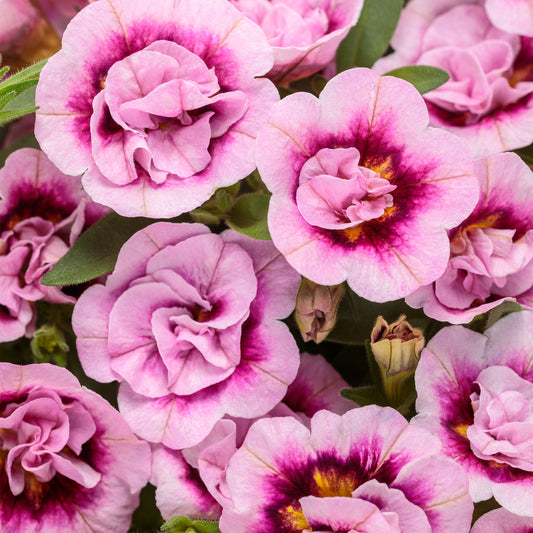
<point>192,482</point>
<point>502,521</point>
<point>514,16</point>
<point>488,99</point>
<point>304,34</point>
<point>42,213</point>
<point>69,460</point>
<point>491,257</point>
<point>368,470</point>
<point>475,392</point>
<point>362,190</point>
<point>165,106</point>
<point>189,323</point>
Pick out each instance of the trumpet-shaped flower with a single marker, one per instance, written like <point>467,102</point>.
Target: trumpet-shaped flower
<point>368,470</point>
<point>159,107</point>
<point>69,462</point>
<point>304,34</point>
<point>188,322</point>
<point>487,100</point>
<point>475,392</point>
<point>362,190</point>
<point>42,213</point>
<point>491,257</point>
<point>192,482</point>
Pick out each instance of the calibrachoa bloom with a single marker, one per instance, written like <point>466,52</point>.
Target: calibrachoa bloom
<point>192,481</point>
<point>502,521</point>
<point>42,213</point>
<point>362,190</point>
<point>368,470</point>
<point>488,99</point>
<point>513,16</point>
<point>188,322</point>
<point>304,34</point>
<point>68,461</point>
<point>160,106</point>
<point>491,256</point>
<point>475,392</point>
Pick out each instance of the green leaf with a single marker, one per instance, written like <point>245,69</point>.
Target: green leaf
<point>30,73</point>
<point>182,524</point>
<point>423,77</point>
<point>96,250</point>
<point>249,215</point>
<point>368,40</point>
<point>365,396</point>
<point>17,93</point>
<point>505,308</point>
<point>18,106</point>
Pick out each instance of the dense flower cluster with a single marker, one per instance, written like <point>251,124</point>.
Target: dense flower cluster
<point>230,209</point>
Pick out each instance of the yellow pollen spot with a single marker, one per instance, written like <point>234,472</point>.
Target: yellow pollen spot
<point>489,221</point>
<point>294,517</point>
<point>496,464</point>
<point>102,82</point>
<point>333,483</point>
<point>460,429</point>
<point>352,234</point>
<point>383,168</point>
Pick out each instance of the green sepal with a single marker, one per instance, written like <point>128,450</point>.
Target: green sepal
<point>182,524</point>
<point>249,215</point>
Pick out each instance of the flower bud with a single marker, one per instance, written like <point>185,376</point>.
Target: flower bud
<point>316,309</point>
<point>396,348</point>
<point>48,345</point>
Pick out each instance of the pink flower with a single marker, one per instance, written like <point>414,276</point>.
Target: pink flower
<point>69,461</point>
<point>42,213</point>
<point>368,470</point>
<point>487,101</point>
<point>191,482</point>
<point>491,257</point>
<point>304,34</point>
<point>514,16</point>
<point>189,323</point>
<point>362,190</point>
<point>475,392</point>
<point>159,107</point>
<point>502,521</point>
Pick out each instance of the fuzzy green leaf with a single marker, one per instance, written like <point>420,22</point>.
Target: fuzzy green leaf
<point>96,250</point>
<point>368,40</point>
<point>423,77</point>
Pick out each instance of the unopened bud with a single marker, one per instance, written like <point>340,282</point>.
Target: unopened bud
<point>48,345</point>
<point>316,309</point>
<point>396,348</point>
